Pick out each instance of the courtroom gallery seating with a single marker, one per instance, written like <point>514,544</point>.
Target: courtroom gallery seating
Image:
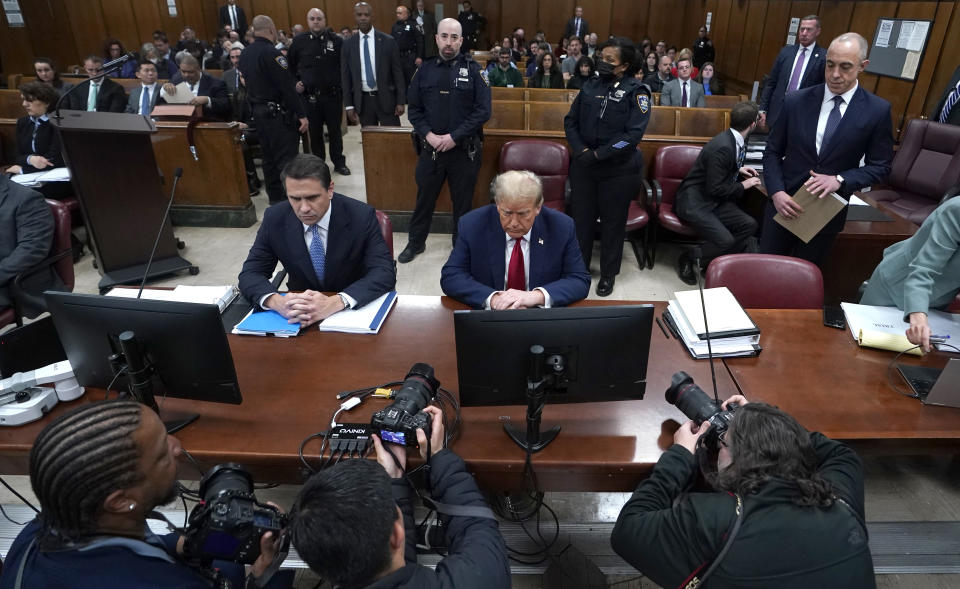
<point>670,167</point>
<point>925,171</point>
<point>788,283</point>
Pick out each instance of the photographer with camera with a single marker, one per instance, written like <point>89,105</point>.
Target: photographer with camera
<point>787,511</point>
<point>353,523</point>
<point>99,471</point>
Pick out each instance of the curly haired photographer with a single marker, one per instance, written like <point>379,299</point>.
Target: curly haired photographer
<point>787,511</point>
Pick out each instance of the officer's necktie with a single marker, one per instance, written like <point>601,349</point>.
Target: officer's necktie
<point>92,97</point>
<point>683,98</point>
<point>318,256</point>
<point>833,119</point>
<point>145,101</point>
<point>951,101</point>
<point>368,64</point>
<point>797,69</point>
<point>515,278</point>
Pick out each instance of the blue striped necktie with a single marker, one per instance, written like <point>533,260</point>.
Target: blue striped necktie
<point>950,103</point>
<point>318,256</point>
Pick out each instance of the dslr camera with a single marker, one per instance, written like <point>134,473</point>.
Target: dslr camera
<point>399,422</point>
<point>229,521</point>
<point>696,405</point>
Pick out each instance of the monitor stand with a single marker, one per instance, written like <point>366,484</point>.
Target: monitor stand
<point>538,384</point>
<point>141,385</point>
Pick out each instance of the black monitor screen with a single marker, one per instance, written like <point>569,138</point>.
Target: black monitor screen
<point>183,342</point>
<point>605,350</point>
<point>29,347</point>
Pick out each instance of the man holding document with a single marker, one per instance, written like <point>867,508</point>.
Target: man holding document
<point>823,133</point>
<point>327,242</point>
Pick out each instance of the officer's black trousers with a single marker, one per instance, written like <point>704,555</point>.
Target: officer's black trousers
<point>453,165</point>
<point>280,143</point>
<point>603,190</point>
<point>327,110</point>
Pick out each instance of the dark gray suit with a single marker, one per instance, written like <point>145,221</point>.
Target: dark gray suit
<point>230,79</point>
<point>133,103</point>
<point>26,232</point>
<point>671,94</point>
<point>379,108</point>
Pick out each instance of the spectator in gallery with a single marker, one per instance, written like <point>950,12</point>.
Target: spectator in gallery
<point>584,72</point>
<point>548,73</point>
<point>712,84</point>
<point>46,71</point>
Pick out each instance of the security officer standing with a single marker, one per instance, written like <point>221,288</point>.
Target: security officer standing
<point>470,23</point>
<point>314,58</point>
<point>449,103</point>
<point>605,123</point>
<point>409,42</point>
<point>277,107</point>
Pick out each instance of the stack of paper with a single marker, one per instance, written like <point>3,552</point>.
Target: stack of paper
<point>221,296</point>
<point>51,175</point>
<point>366,319</point>
<point>885,329</point>
<point>732,332</point>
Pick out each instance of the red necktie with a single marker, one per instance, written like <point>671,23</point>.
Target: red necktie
<point>515,277</point>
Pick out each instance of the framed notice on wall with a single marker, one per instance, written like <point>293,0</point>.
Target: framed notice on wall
<point>898,47</point>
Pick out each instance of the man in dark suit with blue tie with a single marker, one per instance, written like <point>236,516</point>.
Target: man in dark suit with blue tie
<point>327,242</point>
<point>798,66</point>
<point>822,135</point>
<point>374,92</point>
<point>515,254</point>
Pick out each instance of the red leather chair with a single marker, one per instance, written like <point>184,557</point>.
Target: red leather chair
<point>638,226</point>
<point>766,281</point>
<point>925,170</point>
<point>60,259</point>
<point>670,167</point>
<point>547,159</point>
<point>386,229</point>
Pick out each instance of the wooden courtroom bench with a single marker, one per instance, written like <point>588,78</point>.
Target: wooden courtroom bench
<point>11,104</point>
<point>213,190</point>
<point>507,114</point>
<point>500,94</point>
<point>724,101</point>
<point>551,95</point>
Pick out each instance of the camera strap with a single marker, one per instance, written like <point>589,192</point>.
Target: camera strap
<point>731,535</point>
<point>480,511</point>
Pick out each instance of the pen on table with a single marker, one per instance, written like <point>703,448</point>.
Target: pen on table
<point>940,336</point>
<point>657,319</point>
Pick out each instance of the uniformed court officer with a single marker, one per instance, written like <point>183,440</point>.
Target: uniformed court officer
<point>605,123</point>
<point>449,103</point>
<point>470,27</point>
<point>409,42</point>
<point>314,58</point>
<point>277,107</point>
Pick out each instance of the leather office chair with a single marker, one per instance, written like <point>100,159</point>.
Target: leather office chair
<point>386,229</point>
<point>60,259</point>
<point>670,167</point>
<point>925,170</point>
<point>766,281</point>
<point>638,226</point>
<point>549,160</point>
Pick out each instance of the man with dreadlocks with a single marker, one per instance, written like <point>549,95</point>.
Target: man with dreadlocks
<point>98,471</point>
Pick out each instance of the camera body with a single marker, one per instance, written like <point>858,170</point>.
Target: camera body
<point>398,423</point>
<point>229,522</point>
<point>693,402</point>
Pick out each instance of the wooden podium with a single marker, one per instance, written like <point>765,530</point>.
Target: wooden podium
<point>117,182</point>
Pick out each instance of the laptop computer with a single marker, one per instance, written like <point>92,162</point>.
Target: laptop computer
<point>932,385</point>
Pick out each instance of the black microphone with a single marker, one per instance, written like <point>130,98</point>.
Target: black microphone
<point>697,253</point>
<point>176,178</point>
<point>107,68</point>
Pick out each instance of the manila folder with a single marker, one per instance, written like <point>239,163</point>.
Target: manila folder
<point>817,212</point>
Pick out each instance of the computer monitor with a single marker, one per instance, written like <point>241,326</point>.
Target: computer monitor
<point>605,350</point>
<point>31,346</point>
<point>183,344</point>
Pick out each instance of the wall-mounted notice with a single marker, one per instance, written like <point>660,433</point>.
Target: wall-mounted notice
<point>172,7</point>
<point>14,15</point>
<point>898,47</point>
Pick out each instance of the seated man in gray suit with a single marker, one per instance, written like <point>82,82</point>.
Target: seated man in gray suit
<point>147,95</point>
<point>231,77</point>
<point>683,91</point>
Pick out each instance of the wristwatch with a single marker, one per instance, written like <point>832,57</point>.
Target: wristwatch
<point>346,303</point>
<point>840,180</point>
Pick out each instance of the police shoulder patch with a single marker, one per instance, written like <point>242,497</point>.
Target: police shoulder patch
<point>643,101</point>
<point>281,60</point>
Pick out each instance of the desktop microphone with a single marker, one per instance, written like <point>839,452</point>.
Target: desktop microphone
<point>176,178</point>
<point>697,253</point>
<point>108,67</point>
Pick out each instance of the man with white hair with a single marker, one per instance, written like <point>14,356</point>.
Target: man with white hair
<point>821,147</point>
<point>514,253</point>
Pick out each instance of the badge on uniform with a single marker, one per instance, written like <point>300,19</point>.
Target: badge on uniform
<point>407,28</point>
<point>282,61</point>
<point>329,45</point>
<point>643,101</point>
<point>463,72</point>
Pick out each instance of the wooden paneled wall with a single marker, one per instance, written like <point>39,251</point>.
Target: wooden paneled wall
<point>748,34</point>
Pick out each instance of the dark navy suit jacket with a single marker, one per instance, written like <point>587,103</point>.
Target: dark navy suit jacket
<point>477,264</point>
<point>357,263</point>
<point>776,86</point>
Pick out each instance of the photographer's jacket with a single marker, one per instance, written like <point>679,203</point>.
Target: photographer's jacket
<point>112,561</point>
<point>779,544</point>
<point>477,556</point>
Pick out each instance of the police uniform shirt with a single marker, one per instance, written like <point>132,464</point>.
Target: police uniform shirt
<point>406,34</point>
<point>449,97</point>
<point>314,59</point>
<point>268,79</point>
<point>609,116</point>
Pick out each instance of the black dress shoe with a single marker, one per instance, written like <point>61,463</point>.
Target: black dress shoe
<point>605,286</point>
<point>686,271</point>
<point>410,252</point>
<point>342,170</point>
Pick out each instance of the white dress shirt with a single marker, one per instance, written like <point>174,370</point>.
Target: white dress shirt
<point>323,228</point>
<point>507,254</point>
<point>827,106</point>
<point>93,92</point>
<point>233,17</point>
